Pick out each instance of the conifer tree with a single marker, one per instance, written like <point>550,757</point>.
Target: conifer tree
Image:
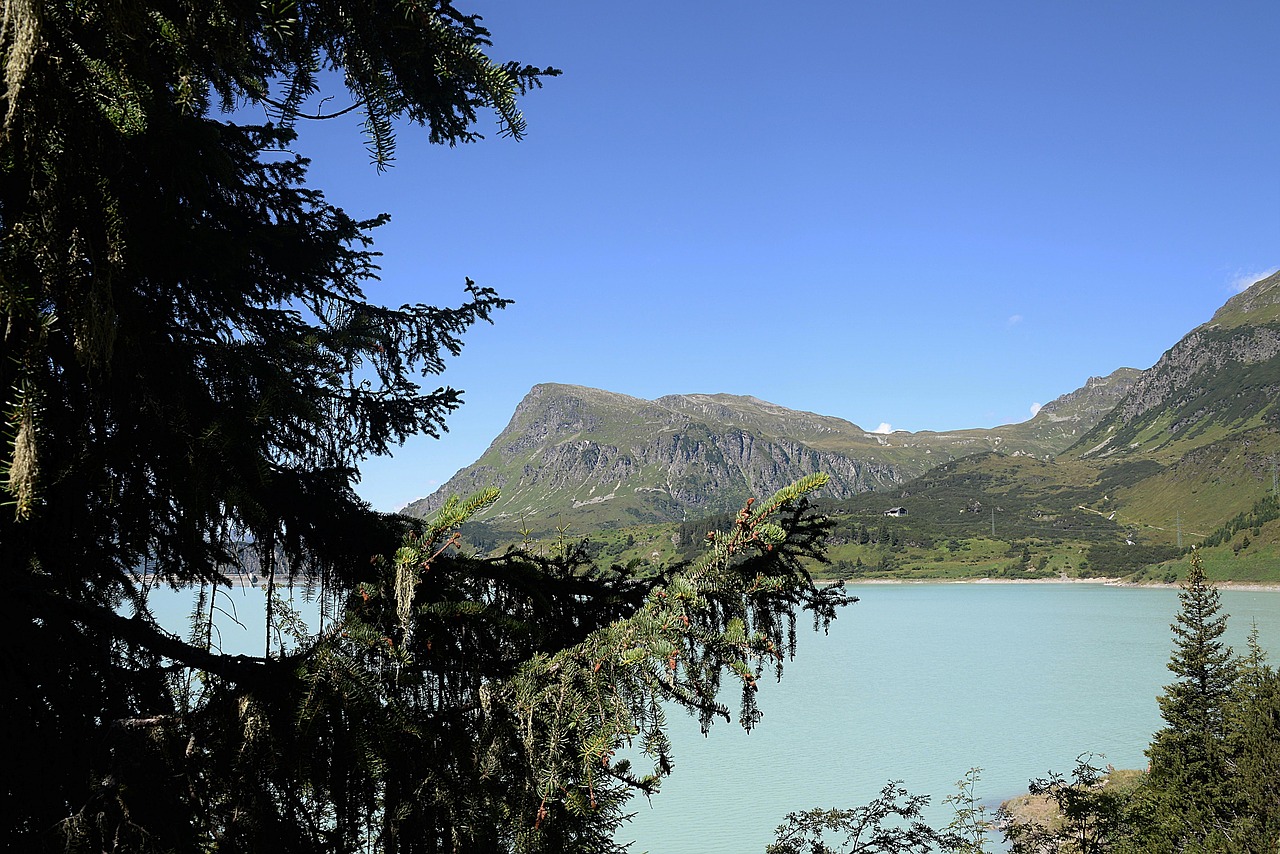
<point>1254,744</point>
<point>190,370</point>
<point>191,375</point>
<point>1190,768</point>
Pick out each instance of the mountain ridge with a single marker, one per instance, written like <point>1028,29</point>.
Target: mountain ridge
<point>573,452</point>
<point>1221,377</point>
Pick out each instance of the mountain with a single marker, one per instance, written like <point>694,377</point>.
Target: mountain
<point>1184,452</point>
<point>595,458</point>
<point>1202,425</point>
<point>1220,380</point>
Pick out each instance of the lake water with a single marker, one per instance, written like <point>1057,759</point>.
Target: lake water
<point>917,683</point>
<point>920,683</point>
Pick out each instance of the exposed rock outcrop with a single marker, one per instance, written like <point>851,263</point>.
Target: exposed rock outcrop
<point>1225,374</point>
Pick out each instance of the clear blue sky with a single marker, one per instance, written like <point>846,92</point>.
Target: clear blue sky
<point>926,215</point>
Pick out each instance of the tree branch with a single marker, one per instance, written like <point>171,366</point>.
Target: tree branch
<point>243,670</point>
<point>293,113</point>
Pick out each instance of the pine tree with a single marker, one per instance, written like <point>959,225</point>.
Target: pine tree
<point>1254,744</point>
<point>190,370</point>
<point>1190,768</point>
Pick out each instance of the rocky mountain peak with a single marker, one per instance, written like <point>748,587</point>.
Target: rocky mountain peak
<point>1092,400</point>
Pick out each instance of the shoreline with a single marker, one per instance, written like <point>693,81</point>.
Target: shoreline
<point>236,579</point>
<point>1245,586</point>
<point>252,580</point>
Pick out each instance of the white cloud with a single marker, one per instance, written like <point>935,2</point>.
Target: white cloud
<point>1035,409</point>
<point>883,428</point>
<point>1242,281</point>
<point>1014,320</point>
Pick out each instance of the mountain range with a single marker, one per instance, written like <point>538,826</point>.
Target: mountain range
<point>1192,437</point>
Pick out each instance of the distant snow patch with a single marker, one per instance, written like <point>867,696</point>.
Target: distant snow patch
<point>599,499</point>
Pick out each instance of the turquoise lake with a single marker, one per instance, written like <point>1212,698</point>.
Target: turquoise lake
<point>918,683</point>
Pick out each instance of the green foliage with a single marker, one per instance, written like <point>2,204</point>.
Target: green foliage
<point>1127,473</point>
<point>191,375</point>
<point>889,824</point>
<point>970,826</point>
<point>693,534</point>
<point>463,703</point>
<point>1265,509</point>
<point>731,613</point>
<point>1254,745</point>
<point>1112,560</point>
<point>1090,815</point>
<point>1189,785</point>
<point>492,702</point>
<point>1189,750</point>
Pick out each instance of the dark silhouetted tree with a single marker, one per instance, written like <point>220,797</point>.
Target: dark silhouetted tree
<point>192,374</point>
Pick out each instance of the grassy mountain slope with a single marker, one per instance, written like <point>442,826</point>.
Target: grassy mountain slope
<point>1203,488</point>
<point>982,513</point>
<point>1203,422</point>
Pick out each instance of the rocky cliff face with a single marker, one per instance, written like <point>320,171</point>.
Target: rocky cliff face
<point>569,448</point>
<point>1201,354</point>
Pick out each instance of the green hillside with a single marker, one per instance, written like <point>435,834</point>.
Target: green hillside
<point>1117,478</point>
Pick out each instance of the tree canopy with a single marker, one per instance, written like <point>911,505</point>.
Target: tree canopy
<point>192,375</point>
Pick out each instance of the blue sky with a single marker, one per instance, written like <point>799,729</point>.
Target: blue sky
<point>925,215</point>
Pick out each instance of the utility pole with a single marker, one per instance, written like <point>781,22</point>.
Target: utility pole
<point>993,523</point>
<point>1179,529</point>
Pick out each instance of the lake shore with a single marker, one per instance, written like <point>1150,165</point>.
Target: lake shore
<point>234,579</point>
<point>250,580</point>
<point>1106,582</point>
